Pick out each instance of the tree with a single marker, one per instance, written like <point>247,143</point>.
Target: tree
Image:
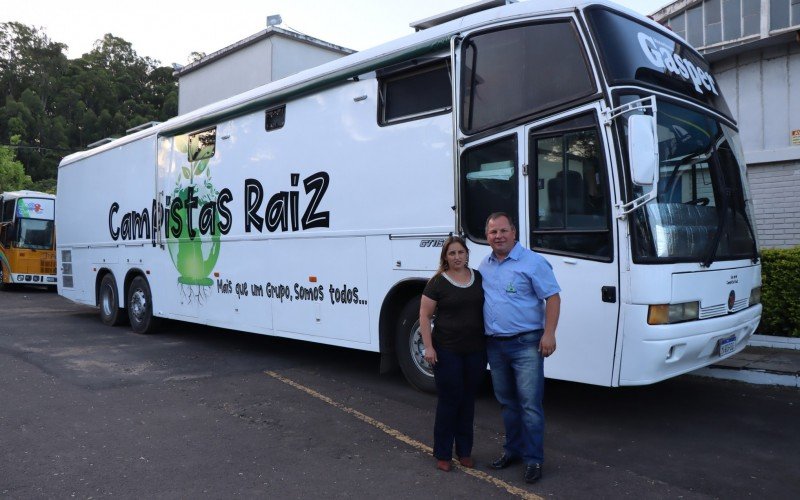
<point>12,173</point>
<point>196,56</point>
<point>29,59</point>
<point>56,106</point>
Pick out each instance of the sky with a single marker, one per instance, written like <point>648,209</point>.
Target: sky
<point>170,30</point>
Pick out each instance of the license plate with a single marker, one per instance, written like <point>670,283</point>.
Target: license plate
<point>727,345</point>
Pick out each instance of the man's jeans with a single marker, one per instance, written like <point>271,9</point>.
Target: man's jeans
<point>518,380</point>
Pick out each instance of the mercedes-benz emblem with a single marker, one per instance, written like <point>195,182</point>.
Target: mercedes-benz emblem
<point>731,300</point>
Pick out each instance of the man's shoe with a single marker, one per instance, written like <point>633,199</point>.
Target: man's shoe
<point>533,473</point>
<point>443,465</point>
<point>504,461</point>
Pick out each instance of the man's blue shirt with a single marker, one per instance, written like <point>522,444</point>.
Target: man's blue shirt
<point>514,291</point>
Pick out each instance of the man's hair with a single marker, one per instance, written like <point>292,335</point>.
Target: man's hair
<point>497,215</point>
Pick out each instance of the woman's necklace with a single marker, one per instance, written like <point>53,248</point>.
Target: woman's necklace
<point>462,277</point>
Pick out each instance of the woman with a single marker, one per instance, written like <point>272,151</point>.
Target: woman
<point>455,349</point>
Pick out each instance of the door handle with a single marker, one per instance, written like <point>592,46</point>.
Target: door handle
<point>570,261</point>
<point>609,294</point>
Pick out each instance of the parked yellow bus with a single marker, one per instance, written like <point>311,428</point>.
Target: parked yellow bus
<point>27,239</point>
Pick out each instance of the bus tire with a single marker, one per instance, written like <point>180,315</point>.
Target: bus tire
<point>410,350</point>
<point>108,300</point>
<point>4,287</point>
<point>140,306</point>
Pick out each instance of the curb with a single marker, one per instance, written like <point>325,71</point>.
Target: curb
<point>757,377</point>
<point>774,342</point>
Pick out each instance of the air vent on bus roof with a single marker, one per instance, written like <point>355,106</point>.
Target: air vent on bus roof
<point>141,127</point>
<point>466,10</point>
<point>101,142</point>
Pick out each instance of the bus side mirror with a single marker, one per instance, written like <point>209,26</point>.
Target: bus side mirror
<point>643,149</point>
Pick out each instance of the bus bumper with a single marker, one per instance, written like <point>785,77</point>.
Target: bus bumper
<point>651,353</point>
<point>33,279</point>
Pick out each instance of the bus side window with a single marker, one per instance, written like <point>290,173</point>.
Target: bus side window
<point>275,118</point>
<point>414,93</point>
<point>8,233</point>
<point>8,211</point>
<point>571,213</point>
<point>488,184</point>
<point>202,144</point>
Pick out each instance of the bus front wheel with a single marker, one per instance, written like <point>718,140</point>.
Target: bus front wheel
<point>3,285</point>
<point>110,312</point>
<point>140,306</point>
<point>410,349</point>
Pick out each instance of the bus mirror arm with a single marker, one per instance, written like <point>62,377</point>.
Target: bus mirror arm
<point>623,209</point>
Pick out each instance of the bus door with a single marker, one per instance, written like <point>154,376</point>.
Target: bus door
<point>569,193</point>
<point>171,292</point>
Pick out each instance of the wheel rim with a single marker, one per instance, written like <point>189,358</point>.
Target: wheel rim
<point>106,300</point>
<point>138,304</point>
<point>417,348</point>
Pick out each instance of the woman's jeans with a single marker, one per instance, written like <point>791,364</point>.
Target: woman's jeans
<point>518,378</point>
<point>458,377</point>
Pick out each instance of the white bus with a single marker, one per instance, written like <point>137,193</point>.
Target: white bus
<point>314,207</point>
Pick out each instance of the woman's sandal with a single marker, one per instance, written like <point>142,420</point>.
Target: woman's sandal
<point>467,462</point>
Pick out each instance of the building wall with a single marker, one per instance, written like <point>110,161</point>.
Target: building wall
<point>246,68</point>
<point>762,88</point>
<point>233,74</point>
<point>774,188</point>
<point>291,56</point>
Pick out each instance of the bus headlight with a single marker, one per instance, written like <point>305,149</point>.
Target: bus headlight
<point>664,314</point>
<point>755,296</point>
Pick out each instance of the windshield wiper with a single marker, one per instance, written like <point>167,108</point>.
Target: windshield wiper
<point>688,160</point>
<point>752,231</point>
<point>726,204</point>
<point>712,251</point>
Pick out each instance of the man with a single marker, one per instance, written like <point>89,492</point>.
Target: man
<point>521,309</point>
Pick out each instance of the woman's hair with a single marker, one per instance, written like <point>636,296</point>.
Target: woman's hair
<point>443,266</point>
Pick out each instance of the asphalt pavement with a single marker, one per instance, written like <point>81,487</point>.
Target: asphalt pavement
<point>197,412</point>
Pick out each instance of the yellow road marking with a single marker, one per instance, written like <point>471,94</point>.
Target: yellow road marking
<point>403,438</point>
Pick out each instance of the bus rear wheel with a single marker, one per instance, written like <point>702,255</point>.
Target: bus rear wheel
<point>110,312</point>
<point>140,306</point>
<point>410,349</point>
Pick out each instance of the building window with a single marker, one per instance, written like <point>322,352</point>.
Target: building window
<point>732,19</point>
<point>751,17</point>
<point>678,25</point>
<point>713,20</point>
<point>694,26</point>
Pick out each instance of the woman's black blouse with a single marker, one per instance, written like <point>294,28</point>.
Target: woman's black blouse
<point>459,313</point>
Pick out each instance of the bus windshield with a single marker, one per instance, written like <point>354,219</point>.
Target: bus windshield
<point>702,212</point>
<point>634,53</point>
<point>35,234</point>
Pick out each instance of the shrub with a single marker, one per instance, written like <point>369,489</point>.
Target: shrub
<point>780,292</point>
